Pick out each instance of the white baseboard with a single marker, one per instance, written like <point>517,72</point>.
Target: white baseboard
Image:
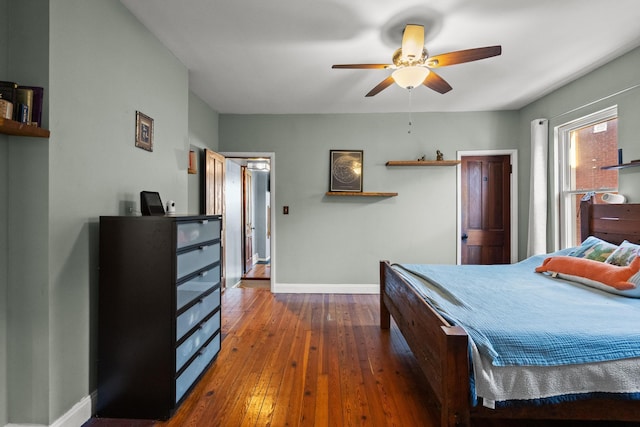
<point>78,414</point>
<point>316,288</point>
<point>74,417</point>
<point>24,425</point>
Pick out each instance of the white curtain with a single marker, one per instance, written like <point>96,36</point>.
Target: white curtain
<point>537,243</point>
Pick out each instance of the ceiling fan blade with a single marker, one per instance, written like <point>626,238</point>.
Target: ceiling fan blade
<point>412,41</point>
<point>462,56</point>
<point>381,86</point>
<point>362,66</point>
<point>437,83</point>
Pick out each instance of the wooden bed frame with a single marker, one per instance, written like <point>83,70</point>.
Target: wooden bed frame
<point>442,349</point>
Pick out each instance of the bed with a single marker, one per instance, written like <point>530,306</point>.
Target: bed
<point>443,349</point>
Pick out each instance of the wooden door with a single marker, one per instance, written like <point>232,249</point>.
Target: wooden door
<point>247,218</point>
<point>213,194</point>
<point>485,210</point>
<point>214,183</point>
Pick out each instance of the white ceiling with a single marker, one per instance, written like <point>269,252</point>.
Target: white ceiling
<point>275,56</point>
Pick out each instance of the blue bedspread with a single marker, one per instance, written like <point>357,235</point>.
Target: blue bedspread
<point>518,317</point>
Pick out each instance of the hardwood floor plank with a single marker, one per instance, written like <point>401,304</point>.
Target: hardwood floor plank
<point>321,414</point>
<point>355,408</point>
<point>366,356</point>
<point>290,393</point>
<point>262,333</point>
<point>331,362</point>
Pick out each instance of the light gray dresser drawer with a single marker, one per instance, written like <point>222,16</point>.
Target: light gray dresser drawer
<point>187,378</point>
<point>195,314</point>
<point>194,288</point>
<point>192,233</point>
<point>192,344</point>
<point>188,262</point>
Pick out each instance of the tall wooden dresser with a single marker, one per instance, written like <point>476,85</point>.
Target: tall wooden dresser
<point>158,311</point>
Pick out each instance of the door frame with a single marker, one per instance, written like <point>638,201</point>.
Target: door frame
<point>513,157</point>
<point>247,219</point>
<point>272,197</point>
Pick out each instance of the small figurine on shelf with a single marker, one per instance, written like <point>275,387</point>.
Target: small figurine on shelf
<point>439,156</point>
<point>423,158</point>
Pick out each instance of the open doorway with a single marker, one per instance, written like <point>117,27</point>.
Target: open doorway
<point>249,258</point>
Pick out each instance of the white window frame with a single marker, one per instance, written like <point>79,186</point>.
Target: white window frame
<point>564,213</point>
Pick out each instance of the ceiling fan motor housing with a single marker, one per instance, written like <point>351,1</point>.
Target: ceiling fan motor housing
<point>404,61</point>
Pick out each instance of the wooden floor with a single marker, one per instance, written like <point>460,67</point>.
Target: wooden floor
<point>259,272</point>
<point>300,359</point>
<point>308,360</point>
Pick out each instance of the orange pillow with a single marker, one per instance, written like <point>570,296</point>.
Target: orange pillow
<point>611,275</point>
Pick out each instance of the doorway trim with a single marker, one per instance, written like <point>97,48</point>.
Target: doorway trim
<point>513,158</point>
<point>272,197</point>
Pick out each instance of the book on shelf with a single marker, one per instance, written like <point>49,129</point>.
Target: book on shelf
<point>21,113</point>
<point>36,104</point>
<point>26,103</point>
<point>6,109</point>
<point>24,98</point>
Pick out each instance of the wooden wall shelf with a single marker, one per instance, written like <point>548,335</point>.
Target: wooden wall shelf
<point>422,162</point>
<point>360,194</point>
<point>622,165</point>
<point>11,127</point>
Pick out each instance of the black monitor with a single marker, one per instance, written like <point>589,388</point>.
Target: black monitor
<point>150,203</point>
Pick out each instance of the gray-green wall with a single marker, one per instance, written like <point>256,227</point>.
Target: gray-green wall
<point>203,133</point>
<point>4,209</point>
<point>104,67</point>
<point>98,65</point>
<point>28,344</point>
<point>596,91</point>
<point>352,234</point>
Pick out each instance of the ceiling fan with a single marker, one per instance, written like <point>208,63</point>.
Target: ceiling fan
<point>413,66</point>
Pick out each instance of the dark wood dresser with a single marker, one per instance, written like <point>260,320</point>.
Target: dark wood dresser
<point>158,311</point>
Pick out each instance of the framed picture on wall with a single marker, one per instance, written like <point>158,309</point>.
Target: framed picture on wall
<point>346,170</point>
<point>144,131</point>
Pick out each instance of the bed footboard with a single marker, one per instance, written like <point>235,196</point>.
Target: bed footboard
<point>440,349</point>
<point>442,354</point>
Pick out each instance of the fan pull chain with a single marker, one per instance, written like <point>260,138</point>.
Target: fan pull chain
<point>410,111</point>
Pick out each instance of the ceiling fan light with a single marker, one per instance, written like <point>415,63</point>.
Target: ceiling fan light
<point>410,77</point>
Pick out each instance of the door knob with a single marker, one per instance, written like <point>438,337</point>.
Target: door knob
<point>464,236</point>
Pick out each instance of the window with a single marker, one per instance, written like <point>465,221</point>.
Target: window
<point>584,146</point>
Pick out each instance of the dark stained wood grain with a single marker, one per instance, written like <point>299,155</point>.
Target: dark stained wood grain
<point>613,223</point>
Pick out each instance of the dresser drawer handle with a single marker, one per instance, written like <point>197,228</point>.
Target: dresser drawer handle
<point>204,221</point>
<point>204,273</point>
<point>202,248</point>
